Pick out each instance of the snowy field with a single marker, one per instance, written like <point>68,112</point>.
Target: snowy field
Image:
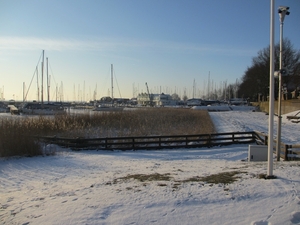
<point>93,187</point>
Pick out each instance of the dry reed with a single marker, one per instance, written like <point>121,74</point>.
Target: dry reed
<point>17,136</point>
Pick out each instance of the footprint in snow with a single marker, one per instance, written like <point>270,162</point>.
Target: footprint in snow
<point>261,222</point>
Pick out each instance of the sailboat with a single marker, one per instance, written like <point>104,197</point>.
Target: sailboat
<point>109,106</point>
<point>36,108</point>
<point>41,108</point>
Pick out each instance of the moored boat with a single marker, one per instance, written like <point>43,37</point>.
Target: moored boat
<point>108,108</point>
<point>35,108</point>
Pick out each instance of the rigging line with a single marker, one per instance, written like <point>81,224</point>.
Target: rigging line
<point>52,72</point>
<point>104,84</point>
<point>117,84</point>
<point>52,75</point>
<point>25,97</point>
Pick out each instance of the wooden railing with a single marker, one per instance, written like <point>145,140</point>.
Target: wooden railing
<point>153,142</point>
<point>287,152</point>
<point>292,152</point>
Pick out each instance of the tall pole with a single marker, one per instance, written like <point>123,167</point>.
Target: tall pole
<point>38,86</point>
<point>83,94</point>
<point>194,85</point>
<point>112,83</point>
<point>42,90</point>
<point>208,90</point>
<point>48,86</point>
<point>278,144</point>
<point>282,12</point>
<point>271,96</point>
<point>23,91</point>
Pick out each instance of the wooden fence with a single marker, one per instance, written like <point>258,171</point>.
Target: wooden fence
<point>288,152</point>
<point>153,142</point>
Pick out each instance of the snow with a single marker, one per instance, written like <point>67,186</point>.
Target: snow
<point>88,187</point>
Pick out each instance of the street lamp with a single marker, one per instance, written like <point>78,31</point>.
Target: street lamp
<point>282,11</point>
<point>271,95</point>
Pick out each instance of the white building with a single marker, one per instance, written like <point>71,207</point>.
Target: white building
<point>155,99</point>
<point>194,102</point>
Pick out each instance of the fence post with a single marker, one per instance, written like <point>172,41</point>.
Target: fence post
<point>106,143</point>
<point>159,142</point>
<point>186,141</point>
<point>253,136</point>
<point>266,140</point>
<point>133,146</point>
<point>77,140</point>
<point>286,149</point>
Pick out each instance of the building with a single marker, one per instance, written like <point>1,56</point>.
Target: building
<point>155,99</point>
<point>194,102</point>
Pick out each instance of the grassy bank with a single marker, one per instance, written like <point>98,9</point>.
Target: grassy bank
<point>17,136</point>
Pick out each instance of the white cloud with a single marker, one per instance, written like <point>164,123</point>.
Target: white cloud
<point>113,44</point>
<point>32,43</point>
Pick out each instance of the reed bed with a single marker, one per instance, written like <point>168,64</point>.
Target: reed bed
<point>17,137</point>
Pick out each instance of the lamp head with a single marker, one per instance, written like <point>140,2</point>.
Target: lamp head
<point>283,10</point>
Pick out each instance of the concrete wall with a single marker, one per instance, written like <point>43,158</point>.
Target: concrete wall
<point>287,106</point>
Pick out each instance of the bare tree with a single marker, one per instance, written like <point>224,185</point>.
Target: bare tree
<point>255,80</point>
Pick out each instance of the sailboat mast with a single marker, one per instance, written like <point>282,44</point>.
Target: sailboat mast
<point>48,86</point>
<point>194,87</point>
<point>112,83</point>
<point>38,86</point>
<point>23,91</point>
<point>208,86</point>
<point>42,94</point>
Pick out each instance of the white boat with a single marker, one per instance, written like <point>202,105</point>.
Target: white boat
<point>35,108</point>
<point>108,108</point>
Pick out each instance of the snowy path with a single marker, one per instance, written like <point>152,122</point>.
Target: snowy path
<point>244,119</point>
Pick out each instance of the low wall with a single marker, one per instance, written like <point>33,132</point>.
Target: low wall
<point>287,106</point>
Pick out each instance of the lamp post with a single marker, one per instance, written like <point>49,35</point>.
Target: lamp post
<point>271,96</point>
<point>282,10</point>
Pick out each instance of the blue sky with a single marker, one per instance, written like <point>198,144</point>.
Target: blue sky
<point>166,43</point>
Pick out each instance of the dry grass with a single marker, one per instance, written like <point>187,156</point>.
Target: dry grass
<point>17,136</point>
<point>219,178</point>
<point>145,177</point>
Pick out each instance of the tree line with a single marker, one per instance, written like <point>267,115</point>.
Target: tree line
<point>255,82</point>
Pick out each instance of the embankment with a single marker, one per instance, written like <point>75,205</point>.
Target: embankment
<point>287,106</point>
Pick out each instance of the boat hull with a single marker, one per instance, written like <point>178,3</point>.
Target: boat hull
<point>108,109</point>
<point>42,109</point>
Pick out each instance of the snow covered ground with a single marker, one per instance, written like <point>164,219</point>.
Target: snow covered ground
<point>93,187</point>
